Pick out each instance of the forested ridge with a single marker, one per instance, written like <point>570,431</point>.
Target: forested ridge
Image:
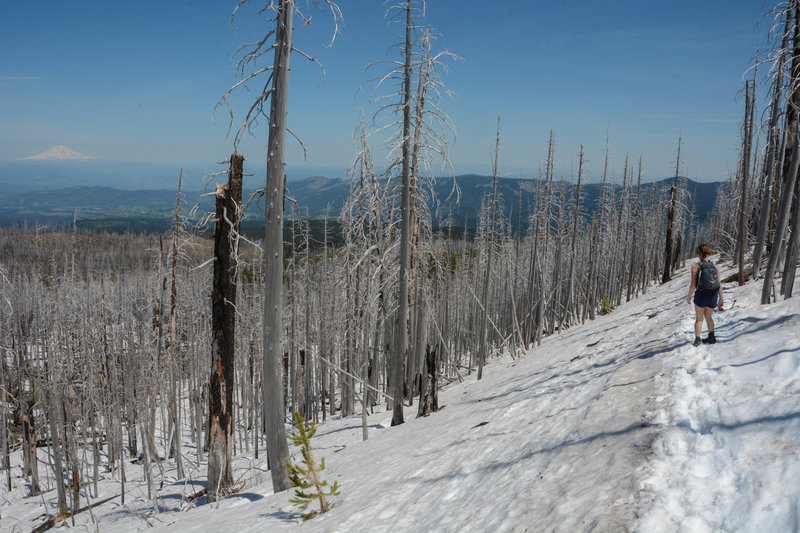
<point>106,208</point>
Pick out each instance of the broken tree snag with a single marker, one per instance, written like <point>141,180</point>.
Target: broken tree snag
<point>429,395</point>
<point>223,322</point>
<point>300,383</point>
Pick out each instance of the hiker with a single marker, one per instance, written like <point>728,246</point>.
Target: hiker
<point>707,294</point>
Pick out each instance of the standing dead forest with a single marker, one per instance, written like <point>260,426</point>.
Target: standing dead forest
<point>123,353</point>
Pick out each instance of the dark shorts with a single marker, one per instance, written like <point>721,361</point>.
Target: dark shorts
<point>706,299</point>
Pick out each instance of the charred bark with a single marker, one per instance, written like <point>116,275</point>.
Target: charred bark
<point>223,325</point>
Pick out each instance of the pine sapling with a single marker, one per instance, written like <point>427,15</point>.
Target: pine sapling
<point>606,306</point>
<point>306,477</point>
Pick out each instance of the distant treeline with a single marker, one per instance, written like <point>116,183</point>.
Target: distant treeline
<point>104,208</point>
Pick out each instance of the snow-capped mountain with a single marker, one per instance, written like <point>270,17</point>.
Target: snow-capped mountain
<point>59,153</point>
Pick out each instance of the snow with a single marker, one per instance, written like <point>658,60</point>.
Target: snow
<point>59,153</point>
<point>729,457</point>
<point>619,424</point>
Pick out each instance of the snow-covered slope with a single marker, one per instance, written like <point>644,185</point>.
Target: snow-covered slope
<point>617,424</point>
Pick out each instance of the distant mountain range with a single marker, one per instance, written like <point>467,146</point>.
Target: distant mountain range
<point>317,197</point>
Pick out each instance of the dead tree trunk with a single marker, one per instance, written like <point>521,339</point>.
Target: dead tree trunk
<point>483,348</point>
<point>174,380</point>
<point>790,171</point>
<point>790,266</point>
<point>772,150</point>
<point>277,445</point>
<point>748,139</point>
<point>670,218</point>
<point>634,250</point>
<point>783,219</point>
<point>223,326</point>
<point>429,396</point>
<point>400,345</point>
<point>4,436</point>
<point>568,306</point>
<point>53,401</point>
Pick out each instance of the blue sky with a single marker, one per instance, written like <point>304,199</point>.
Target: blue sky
<point>137,81</point>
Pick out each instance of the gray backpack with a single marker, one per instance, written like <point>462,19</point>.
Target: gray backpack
<point>707,278</point>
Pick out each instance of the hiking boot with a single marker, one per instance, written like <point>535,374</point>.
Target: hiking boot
<point>697,341</point>
<point>711,339</point>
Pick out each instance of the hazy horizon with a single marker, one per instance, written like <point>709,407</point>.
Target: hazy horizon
<point>139,81</point>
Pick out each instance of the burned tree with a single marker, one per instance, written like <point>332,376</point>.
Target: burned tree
<point>276,92</point>
<point>223,328</point>
<point>668,251</point>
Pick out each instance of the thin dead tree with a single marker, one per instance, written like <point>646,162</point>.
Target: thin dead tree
<point>568,306</point>
<point>276,91</point>
<point>773,148</point>
<point>670,218</point>
<point>634,242</point>
<point>747,132</point>
<point>484,331</point>
<point>422,128</point>
<point>277,445</point>
<point>791,163</point>
<point>400,348</point>
<point>174,381</point>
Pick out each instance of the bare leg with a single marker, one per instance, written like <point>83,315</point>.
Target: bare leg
<point>709,315</point>
<point>698,321</point>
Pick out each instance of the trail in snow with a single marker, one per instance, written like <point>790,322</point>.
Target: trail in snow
<point>728,458</point>
<point>617,424</point>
